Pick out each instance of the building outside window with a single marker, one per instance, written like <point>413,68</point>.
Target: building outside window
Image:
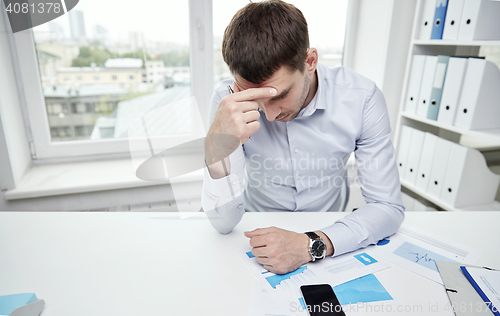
<point>100,78</point>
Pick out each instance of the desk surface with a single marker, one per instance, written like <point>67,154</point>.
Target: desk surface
<point>158,264</point>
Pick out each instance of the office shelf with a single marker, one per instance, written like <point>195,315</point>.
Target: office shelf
<point>495,206</point>
<point>468,138</point>
<point>455,43</point>
<point>490,135</point>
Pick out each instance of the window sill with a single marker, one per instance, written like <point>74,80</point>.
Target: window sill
<point>81,177</point>
<point>91,176</point>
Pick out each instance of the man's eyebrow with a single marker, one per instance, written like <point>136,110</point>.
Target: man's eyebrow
<point>282,95</point>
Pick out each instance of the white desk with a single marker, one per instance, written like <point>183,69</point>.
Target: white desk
<point>157,264</point>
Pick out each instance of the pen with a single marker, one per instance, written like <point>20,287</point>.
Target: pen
<point>231,92</point>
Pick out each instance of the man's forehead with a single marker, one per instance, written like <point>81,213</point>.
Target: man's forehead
<point>281,79</point>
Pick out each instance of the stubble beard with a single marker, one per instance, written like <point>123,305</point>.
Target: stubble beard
<point>305,94</point>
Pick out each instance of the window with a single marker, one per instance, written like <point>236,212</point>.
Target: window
<point>101,81</point>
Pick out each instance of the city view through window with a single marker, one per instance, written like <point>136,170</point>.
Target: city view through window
<point>106,63</point>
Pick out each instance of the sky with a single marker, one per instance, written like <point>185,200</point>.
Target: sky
<point>167,20</point>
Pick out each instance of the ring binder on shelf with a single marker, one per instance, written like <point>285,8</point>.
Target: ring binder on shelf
<point>426,85</point>
<point>479,106</point>
<point>480,20</point>
<point>439,19</point>
<point>451,90</point>
<point>437,87</point>
<point>453,16</point>
<point>468,181</point>
<point>417,70</point>
<point>427,19</point>
<point>426,161</point>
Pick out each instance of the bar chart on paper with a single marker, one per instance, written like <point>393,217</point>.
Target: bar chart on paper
<point>280,286</point>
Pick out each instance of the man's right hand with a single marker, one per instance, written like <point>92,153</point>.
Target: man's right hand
<point>237,113</point>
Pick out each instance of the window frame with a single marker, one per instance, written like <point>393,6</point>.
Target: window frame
<point>33,100</point>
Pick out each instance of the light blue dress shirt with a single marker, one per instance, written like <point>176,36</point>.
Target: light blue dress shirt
<point>301,165</point>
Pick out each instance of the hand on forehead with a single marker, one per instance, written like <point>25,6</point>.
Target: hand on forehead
<point>253,93</point>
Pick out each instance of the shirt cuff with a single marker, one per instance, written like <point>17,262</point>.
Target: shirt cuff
<point>342,238</point>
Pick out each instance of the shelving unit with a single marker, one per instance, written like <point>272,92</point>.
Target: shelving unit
<point>440,129</point>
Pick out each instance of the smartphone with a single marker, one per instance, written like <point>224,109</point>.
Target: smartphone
<point>321,300</point>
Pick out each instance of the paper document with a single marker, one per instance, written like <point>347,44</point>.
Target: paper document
<point>416,250</point>
<point>367,290</point>
<point>487,284</point>
<point>281,287</point>
<point>333,271</point>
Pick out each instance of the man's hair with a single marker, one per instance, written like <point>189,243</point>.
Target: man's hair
<point>264,36</point>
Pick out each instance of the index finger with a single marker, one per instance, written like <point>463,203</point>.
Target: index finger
<point>253,94</point>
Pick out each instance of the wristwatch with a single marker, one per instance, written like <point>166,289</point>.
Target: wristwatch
<point>317,247</point>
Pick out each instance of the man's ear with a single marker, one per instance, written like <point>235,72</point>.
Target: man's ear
<point>311,60</point>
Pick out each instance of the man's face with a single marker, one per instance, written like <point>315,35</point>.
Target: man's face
<point>293,89</point>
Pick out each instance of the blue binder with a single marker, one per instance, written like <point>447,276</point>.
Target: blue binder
<point>437,87</point>
<point>479,291</point>
<point>439,19</point>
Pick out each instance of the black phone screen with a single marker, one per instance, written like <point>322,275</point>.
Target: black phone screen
<point>321,300</point>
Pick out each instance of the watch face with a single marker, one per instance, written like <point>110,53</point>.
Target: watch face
<point>318,248</point>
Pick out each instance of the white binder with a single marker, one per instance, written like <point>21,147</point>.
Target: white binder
<point>417,70</point>
<point>479,106</point>
<point>426,161</point>
<point>451,91</point>
<point>468,181</point>
<point>404,148</point>
<point>453,18</point>
<point>480,20</point>
<point>413,160</point>
<point>427,20</point>
<point>443,148</point>
<point>426,85</point>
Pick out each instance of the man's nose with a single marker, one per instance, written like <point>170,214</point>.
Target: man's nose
<point>271,110</point>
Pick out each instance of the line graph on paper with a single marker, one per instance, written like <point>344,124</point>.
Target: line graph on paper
<point>419,255</point>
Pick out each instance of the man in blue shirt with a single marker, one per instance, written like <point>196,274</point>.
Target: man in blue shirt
<point>298,122</point>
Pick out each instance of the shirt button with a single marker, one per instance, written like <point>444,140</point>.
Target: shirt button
<point>240,206</point>
<point>299,177</point>
<point>234,183</point>
<point>296,150</point>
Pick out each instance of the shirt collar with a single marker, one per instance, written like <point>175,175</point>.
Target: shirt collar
<point>316,103</point>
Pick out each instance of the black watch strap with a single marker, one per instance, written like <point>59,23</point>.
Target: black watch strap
<point>313,235</point>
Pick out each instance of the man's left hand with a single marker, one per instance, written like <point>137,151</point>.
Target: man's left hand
<point>279,251</point>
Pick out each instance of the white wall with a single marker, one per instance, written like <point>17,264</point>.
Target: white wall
<point>377,44</point>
